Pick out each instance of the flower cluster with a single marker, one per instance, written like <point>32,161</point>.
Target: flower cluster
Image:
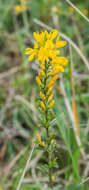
<point>46,51</point>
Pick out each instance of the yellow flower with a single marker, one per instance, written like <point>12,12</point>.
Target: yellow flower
<point>32,52</point>
<point>42,95</point>
<point>49,44</point>
<point>50,97</point>
<point>60,60</point>
<point>49,90</point>
<point>28,51</point>
<point>38,137</point>
<point>53,34</point>
<point>43,54</point>
<point>42,105</point>
<point>42,143</point>
<point>55,77</point>
<point>39,37</point>
<point>50,83</point>
<point>52,80</point>
<point>20,8</point>
<point>42,66</point>
<point>44,47</point>
<point>46,51</point>
<point>60,44</point>
<point>51,103</point>
<point>38,81</point>
<point>41,74</point>
<point>58,69</point>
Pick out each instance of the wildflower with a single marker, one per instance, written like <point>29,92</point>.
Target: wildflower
<point>60,44</point>
<point>42,95</point>
<point>20,8</point>
<point>49,90</point>
<point>42,66</point>
<point>41,74</point>
<point>60,60</point>
<point>42,143</point>
<point>51,103</point>
<point>42,105</point>
<point>58,69</point>
<point>53,34</point>
<point>38,81</point>
<point>39,37</point>
<point>38,137</point>
<point>50,97</point>
<point>43,54</point>
<point>51,83</point>
<point>46,51</point>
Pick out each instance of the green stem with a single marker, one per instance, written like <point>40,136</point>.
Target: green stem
<point>47,130</point>
<point>49,160</point>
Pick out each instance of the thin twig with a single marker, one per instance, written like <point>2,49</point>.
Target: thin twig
<point>26,167</point>
<point>72,5</point>
<point>83,57</point>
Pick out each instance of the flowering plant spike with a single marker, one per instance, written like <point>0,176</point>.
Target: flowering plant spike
<point>46,52</point>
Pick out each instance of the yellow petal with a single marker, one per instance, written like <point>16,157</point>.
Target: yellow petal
<point>42,95</point>
<point>51,103</point>
<point>42,105</point>
<point>28,50</point>
<point>53,34</point>
<point>60,44</point>
<point>61,60</point>
<point>50,97</point>
<point>38,81</point>
<point>31,57</point>
<point>42,143</point>
<point>38,137</point>
<point>58,69</point>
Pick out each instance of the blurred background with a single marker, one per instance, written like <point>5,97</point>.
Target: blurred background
<point>19,118</point>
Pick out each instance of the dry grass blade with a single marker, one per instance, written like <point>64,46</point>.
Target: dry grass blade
<point>74,108</point>
<point>12,163</point>
<point>84,181</point>
<point>26,167</point>
<point>72,5</point>
<point>71,117</point>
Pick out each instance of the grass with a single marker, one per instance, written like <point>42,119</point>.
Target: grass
<point>19,119</point>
